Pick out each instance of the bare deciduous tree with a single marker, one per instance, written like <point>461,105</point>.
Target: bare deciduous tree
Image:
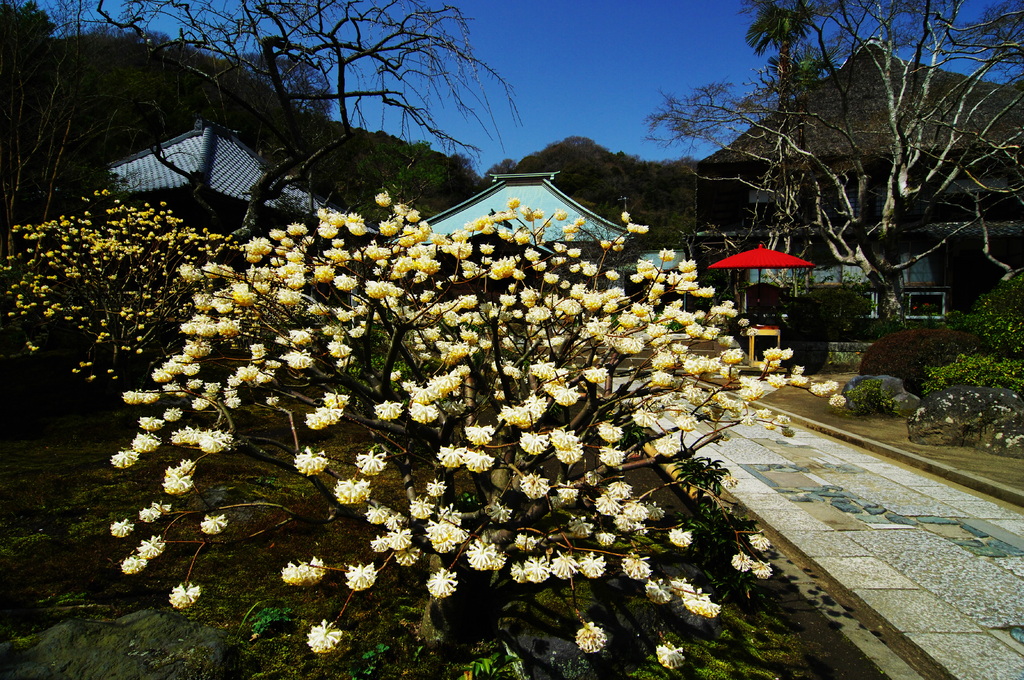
<point>887,142</point>
<point>293,64</point>
<point>41,98</point>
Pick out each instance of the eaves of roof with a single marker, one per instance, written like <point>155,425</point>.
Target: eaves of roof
<point>534,190</point>
<point>973,229</point>
<point>830,132</point>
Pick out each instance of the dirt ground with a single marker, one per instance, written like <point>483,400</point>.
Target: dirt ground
<point>893,431</point>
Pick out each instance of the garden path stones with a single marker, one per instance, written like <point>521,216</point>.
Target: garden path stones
<point>943,567</point>
<point>144,645</point>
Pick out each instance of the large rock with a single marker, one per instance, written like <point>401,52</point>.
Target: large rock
<point>906,403</point>
<point>145,645</point>
<point>986,418</point>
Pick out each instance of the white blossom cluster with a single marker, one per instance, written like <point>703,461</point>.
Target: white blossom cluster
<point>743,562</point>
<point>512,360</point>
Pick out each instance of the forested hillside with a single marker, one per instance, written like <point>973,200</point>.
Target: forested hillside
<point>80,96</point>
<point>76,100</point>
<point>660,194</point>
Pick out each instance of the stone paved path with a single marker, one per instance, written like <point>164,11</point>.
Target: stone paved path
<point>942,566</point>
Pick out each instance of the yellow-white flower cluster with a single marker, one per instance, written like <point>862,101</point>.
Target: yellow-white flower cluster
<point>109,275</point>
<point>591,638</point>
<point>304,573</point>
<point>491,358</point>
<point>184,595</point>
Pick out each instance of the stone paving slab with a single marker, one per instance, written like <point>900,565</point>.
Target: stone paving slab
<point>944,493</point>
<point>971,656</point>
<point>1013,525</point>
<point>748,484</point>
<point>864,572</point>
<point>773,501</point>
<point>834,518</point>
<point>1004,534</point>
<point>827,544</point>
<point>942,566</point>
<point>897,474</point>
<point>983,510</point>
<point>975,586</point>
<point>798,522</point>
<point>917,611</point>
<point>894,496</point>
<point>1014,565</point>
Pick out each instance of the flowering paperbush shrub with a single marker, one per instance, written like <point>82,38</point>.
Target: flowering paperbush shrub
<point>111,277</point>
<point>493,361</point>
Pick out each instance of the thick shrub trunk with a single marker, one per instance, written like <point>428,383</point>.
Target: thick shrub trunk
<point>465,616</point>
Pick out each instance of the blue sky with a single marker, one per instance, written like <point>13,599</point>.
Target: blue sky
<point>596,69</point>
<point>592,68</point>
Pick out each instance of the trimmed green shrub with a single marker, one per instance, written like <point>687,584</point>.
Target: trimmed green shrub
<point>997,317</point>
<point>842,311</point>
<point>981,370</point>
<point>870,398</point>
<point>831,314</point>
<point>907,354</point>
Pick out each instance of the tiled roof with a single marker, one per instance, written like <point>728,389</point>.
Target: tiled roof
<point>828,130</point>
<point>223,162</point>
<point>534,190</point>
<point>959,230</point>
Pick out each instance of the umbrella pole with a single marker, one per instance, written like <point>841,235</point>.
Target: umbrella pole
<point>757,302</point>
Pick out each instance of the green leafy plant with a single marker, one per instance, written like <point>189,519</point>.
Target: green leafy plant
<point>467,502</point>
<point>997,317</point>
<point>269,619</point>
<point>372,659</point>
<point>717,534</point>
<point>493,667</point>
<point>869,397</point>
<point>977,369</point>
<point>907,354</point>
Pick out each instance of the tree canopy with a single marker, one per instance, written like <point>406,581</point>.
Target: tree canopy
<point>79,95</point>
<point>292,64</point>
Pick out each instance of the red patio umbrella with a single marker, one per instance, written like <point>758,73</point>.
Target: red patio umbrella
<point>761,258</point>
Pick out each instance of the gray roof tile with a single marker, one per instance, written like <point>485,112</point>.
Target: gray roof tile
<point>223,161</point>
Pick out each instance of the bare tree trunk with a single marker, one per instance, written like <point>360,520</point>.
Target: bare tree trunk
<point>890,295</point>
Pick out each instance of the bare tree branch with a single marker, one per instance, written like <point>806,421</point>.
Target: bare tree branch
<point>293,64</point>
<point>877,147</point>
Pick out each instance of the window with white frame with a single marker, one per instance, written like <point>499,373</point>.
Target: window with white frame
<point>924,304</point>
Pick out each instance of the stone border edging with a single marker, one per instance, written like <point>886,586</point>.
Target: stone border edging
<point>880,630</point>
<point>883,644</point>
<point>970,480</point>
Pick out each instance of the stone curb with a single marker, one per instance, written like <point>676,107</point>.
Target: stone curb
<point>886,646</point>
<point>970,480</point>
<point>896,655</point>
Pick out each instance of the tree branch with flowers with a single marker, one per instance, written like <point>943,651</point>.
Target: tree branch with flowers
<point>503,361</point>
